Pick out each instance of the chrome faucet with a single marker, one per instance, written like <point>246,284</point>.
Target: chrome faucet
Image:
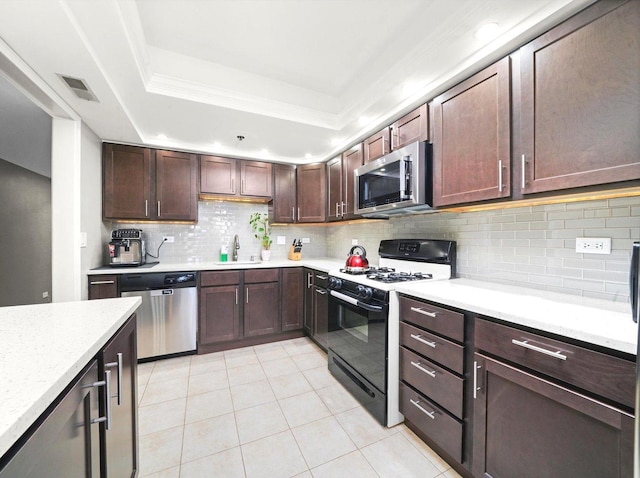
<point>236,246</point>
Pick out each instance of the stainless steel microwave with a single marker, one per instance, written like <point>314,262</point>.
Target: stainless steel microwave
<point>398,183</point>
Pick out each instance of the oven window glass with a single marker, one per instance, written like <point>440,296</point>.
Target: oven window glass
<point>359,338</point>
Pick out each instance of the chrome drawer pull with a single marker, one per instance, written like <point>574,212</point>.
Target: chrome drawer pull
<point>421,340</point>
<point>418,365</point>
<point>476,388</point>
<point>423,312</point>
<point>322,277</point>
<point>527,345</point>
<point>99,282</point>
<point>416,403</point>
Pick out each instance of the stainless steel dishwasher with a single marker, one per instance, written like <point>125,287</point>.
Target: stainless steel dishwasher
<point>168,317</point>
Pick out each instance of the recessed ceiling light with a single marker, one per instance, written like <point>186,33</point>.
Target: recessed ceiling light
<point>308,156</point>
<point>162,136</point>
<point>216,145</point>
<point>363,120</point>
<point>264,151</point>
<point>487,32</point>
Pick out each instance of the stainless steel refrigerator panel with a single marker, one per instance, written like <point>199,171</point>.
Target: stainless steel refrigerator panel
<point>167,321</point>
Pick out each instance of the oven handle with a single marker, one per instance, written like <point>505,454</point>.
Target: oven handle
<point>356,302</point>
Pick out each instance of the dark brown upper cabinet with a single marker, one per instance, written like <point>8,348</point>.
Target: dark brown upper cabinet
<point>234,177</point>
<point>176,186</point>
<point>340,180</point>
<point>580,101</point>
<point>413,126</point>
<point>312,192</point>
<point>283,208</point>
<point>377,145</point>
<point>147,184</point>
<point>410,128</point>
<point>471,138</point>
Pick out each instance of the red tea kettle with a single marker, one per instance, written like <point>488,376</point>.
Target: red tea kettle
<point>357,262</point>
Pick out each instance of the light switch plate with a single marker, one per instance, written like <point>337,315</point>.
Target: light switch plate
<point>306,240</point>
<point>83,239</point>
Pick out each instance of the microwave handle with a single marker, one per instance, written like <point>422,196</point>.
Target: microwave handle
<point>405,177</point>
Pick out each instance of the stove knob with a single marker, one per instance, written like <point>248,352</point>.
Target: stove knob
<point>364,292</point>
<point>335,283</point>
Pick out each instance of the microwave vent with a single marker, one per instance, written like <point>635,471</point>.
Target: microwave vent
<point>79,88</point>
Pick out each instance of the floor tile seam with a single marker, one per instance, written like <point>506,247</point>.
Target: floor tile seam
<point>208,391</point>
<point>421,452</point>
<point>338,457</point>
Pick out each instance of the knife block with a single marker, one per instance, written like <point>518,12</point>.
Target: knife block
<point>294,256</point>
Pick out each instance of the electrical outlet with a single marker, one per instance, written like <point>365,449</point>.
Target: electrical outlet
<point>306,240</point>
<point>168,239</point>
<point>593,245</point>
<point>45,294</point>
<point>354,242</point>
<point>281,240</point>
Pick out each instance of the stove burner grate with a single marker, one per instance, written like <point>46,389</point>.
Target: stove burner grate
<point>390,277</point>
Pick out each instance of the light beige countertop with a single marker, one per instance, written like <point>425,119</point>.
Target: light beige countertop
<point>324,264</point>
<point>603,323</point>
<point>42,349</point>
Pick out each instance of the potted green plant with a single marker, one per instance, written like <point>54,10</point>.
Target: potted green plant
<point>262,231</point>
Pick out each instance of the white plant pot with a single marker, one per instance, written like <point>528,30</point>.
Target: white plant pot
<point>265,255</point>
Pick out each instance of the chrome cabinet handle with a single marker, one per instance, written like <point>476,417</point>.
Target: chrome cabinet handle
<point>159,214</point>
<point>342,208</point>
<point>293,213</point>
<point>106,383</point>
<point>309,277</point>
<point>420,339</point>
<point>247,291</point>
<point>100,282</point>
<point>500,175</point>
<point>242,186</point>
<point>525,343</point>
<point>118,364</point>
<point>416,403</point>
<point>233,185</point>
<point>524,173</point>
<point>337,213</point>
<point>236,296</point>
<point>476,389</point>
<point>419,366</point>
<point>146,208</point>
<point>383,140</point>
<point>423,312</point>
<point>298,214</point>
<point>320,291</point>
<point>322,277</point>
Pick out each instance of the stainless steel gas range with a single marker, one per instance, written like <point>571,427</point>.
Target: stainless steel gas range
<point>363,338</point>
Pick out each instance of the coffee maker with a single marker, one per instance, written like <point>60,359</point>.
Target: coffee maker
<point>127,248</point>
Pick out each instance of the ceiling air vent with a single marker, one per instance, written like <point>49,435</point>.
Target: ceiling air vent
<point>79,88</point>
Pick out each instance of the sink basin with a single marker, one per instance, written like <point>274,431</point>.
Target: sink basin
<point>232,263</point>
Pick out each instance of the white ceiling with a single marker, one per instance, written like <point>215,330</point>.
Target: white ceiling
<point>301,79</point>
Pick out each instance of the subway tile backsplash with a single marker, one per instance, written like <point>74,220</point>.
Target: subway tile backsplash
<point>529,246</point>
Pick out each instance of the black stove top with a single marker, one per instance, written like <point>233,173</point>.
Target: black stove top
<point>389,275</point>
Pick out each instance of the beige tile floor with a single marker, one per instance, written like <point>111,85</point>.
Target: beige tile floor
<point>266,411</point>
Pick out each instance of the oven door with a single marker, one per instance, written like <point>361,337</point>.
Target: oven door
<point>357,343</point>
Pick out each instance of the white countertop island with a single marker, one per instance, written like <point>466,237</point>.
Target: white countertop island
<point>43,347</point>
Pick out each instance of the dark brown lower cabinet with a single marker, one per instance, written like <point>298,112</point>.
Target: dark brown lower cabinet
<point>291,298</point>
<point>103,286</point>
<point>66,443</point>
<point>219,307</point>
<point>316,306</point>
<point>526,426</point>
<point>120,451</point>
<point>72,438</point>
<point>261,302</point>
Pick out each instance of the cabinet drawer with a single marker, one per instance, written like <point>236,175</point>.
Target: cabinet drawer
<point>444,352</point>
<point>599,373</point>
<point>261,275</point>
<point>443,429</point>
<point>436,319</point>
<point>433,381</point>
<point>219,278</point>
<point>321,279</point>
